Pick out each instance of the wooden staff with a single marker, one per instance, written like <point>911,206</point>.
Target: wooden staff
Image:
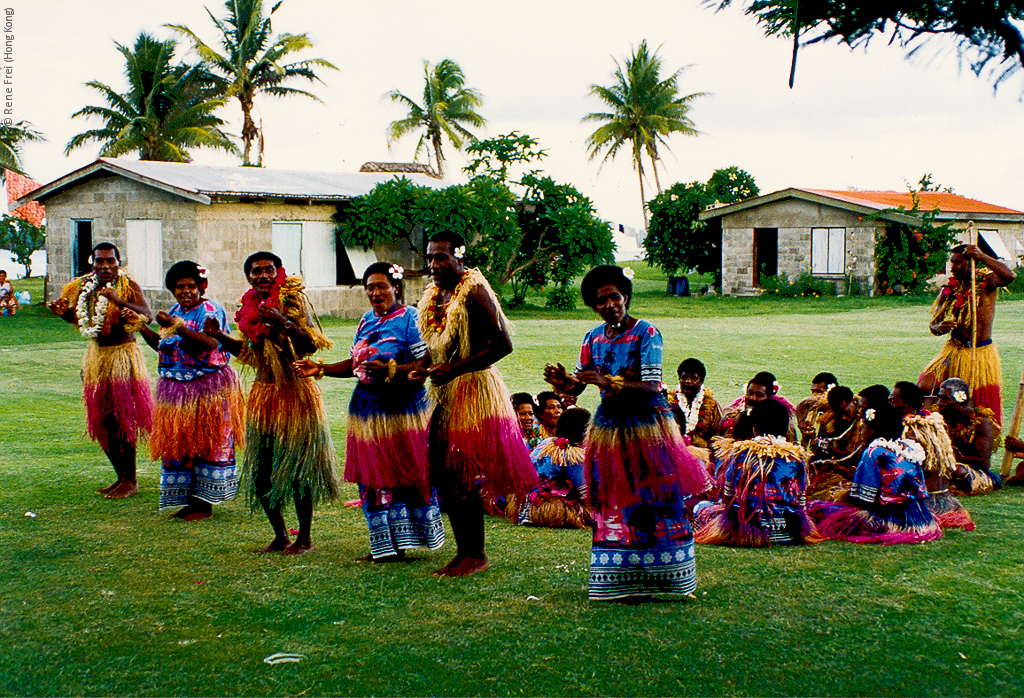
<point>1018,416</point>
<point>974,308</point>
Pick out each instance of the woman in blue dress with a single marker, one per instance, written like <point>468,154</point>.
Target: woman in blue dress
<point>386,450</point>
<point>639,472</point>
<point>200,413</point>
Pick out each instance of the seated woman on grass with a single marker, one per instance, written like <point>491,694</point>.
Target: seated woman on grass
<point>887,503</point>
<point>560,500</point>
<point>763,486</point>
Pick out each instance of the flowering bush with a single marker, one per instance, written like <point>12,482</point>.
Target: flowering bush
<point>906,256</point>
<point>804,285</point>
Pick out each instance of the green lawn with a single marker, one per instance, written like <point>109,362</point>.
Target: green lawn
<point>113,598</point>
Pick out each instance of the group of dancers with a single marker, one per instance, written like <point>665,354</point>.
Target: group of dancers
<point>432,426</point>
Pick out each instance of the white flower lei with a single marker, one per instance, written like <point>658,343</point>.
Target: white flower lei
<point>693,411</point>
<point>90,327</point>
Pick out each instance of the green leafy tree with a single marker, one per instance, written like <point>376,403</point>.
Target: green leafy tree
<point>908,256</point>
<point>12,137</point>
<point>526,233</point>
<point>167,109</point>
<point>21,239</point>
<point>986,32</point>
<point>252,61</point>
<point>447,107</point>
<point>677,240</point>
<point>643,111</point>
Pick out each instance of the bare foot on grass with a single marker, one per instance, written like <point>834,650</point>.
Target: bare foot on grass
<point>463,566</point>
<point>399,557</point>
<point>198,516</point>
<point>297,549</point>
<point>128,488</point>
<point>108,488</point>
<point>277,545</point>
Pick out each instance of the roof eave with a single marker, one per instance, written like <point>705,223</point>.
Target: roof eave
<point>48,191</point>
<point>793,193</point>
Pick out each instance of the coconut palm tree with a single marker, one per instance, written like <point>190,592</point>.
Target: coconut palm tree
<point>643,111</point>
<point>252,63</point>
<point>167,109</point>
<point>12,136</point>
<point>447,105</point>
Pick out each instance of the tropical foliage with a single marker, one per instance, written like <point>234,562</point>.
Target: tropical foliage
<point>527,232</point>
<point>168,108</point>
<point>12,137</point>
<point>987,32</point>
<point>677,240</point>
<point>252,62</point>
<point>643,111</point>
<point>21,239</point>
<point>908,256</point>
<point>447,107</point>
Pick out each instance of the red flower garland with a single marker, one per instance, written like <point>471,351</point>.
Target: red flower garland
<point>248,316</point>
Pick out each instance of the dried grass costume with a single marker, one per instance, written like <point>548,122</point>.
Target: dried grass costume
<point>977,480</point>
<point>200,415</point>
<point>560,499</point>
<point>286,424</point>
<point>114,377</point>
<point>928,429</point>
<point>639,475</point>
<point>473,417</point>
<point>954,360</point>
<point>763,484</point>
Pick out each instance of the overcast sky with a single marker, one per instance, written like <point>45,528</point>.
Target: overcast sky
<point>867,120</point>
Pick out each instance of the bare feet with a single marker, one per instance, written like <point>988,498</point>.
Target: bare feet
<point>277,545</point>
<point>463,566</point>
<point>126,489</point>
<point>297,549</point>
<point>198,516</point>
<point>368,557</point>
<point>180,513</point>
<point>108,488</point>
<point>399,557</point>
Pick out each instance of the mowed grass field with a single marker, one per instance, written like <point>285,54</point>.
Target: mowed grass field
<point>114,598</point>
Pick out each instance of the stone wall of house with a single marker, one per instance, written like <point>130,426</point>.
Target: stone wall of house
<point>108,202</point>
<point>219,236</point>
<point>793,218</point>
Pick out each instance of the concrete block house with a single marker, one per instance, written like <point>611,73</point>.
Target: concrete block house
<point>158,213</point>
<point>830,233</point>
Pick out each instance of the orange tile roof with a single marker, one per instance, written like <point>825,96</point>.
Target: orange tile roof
<point>930,200</point>
<point>17,187</point>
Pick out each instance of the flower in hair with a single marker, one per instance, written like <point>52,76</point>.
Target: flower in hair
<point>960,396</point>
<point>202,271</point>
<point>459,252</point>
<point>869,414</point>
<point>628,273</point>
<point>396,272</point>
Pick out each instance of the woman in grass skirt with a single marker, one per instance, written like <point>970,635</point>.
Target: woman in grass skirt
<point>200,412</point>
<point>638,470</point>
<point>386,452</point>
<point>887,503</point>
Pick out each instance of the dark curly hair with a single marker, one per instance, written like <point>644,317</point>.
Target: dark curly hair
<point>604,275</point>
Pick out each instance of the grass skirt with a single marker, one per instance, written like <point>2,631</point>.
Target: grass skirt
<point>553,504</point>
<point>475,422</point>
<point>286,426</point>
<point>401,519</point>
<point>639,475</point>
<point>887,525</point>
<point>719,524</point>
<point>203,418</point>
<point>948,511</point>
<point>387,437</point>
<point>210,481</point>
<point>116,384</point>
<point>974,482</point>
<point>954,361</point>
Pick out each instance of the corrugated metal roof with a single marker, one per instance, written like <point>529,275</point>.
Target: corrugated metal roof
<point>929,201</point>
<point>200,182</point>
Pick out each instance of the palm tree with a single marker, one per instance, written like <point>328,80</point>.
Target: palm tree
<point>644,111</point>
<point>447,105</point>
<point>12,136</point>
<point>252,63</point>
<point>167,109</point>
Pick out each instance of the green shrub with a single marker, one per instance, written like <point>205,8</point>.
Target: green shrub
<point>805,284</point>
<point>562,298</point>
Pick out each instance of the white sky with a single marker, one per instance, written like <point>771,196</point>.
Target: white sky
<point>869,120</point>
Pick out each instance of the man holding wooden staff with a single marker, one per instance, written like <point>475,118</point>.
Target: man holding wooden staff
<point>965,309</point>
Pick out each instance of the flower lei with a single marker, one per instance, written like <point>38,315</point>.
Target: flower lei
<point>435,316</point>
<point>248,316</point>
<point>692,413</point>
<point>90,325</point>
